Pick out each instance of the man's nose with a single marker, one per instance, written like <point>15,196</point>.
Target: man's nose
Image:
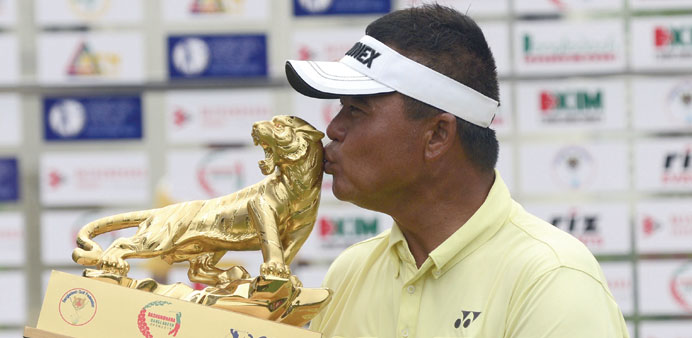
<point>336,128</point>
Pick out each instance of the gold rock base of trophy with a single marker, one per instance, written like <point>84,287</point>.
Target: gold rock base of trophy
<point>282,300</point>
<point>85,307</point>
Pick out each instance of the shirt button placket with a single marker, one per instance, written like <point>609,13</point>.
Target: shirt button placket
<point>408,309</point>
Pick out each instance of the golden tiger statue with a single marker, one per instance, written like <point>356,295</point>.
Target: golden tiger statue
<point>275,215</point>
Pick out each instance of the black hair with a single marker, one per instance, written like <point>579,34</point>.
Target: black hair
<point>451,43</point>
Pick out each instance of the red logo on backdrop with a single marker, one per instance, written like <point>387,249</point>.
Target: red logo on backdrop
<point>662,37</point>
<point>180,117</point>
<point>558,3</point>
<point>621,283</point>
<point>649,225</point>
<point>304,53</point>
<point>55,179</point>
<point>548,102</point>
<point>681,286</point>
<point>327,226</point>
<point>673,42</point>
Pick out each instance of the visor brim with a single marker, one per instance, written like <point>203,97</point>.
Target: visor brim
<point>329,80</point>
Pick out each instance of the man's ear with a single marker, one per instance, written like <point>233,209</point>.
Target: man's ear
<point>440,136</point>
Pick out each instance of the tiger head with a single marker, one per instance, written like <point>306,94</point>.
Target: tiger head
<point>285,140</point>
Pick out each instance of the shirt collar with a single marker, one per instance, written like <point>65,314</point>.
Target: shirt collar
<point>484,223</point>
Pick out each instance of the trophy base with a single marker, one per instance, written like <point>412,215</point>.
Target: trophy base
<point>84,307</point>
<point>282,300</point>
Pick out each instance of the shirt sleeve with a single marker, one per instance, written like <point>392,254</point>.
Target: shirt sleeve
<point>565,303</point>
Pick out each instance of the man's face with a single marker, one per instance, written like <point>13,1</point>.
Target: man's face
<point>376,151</point>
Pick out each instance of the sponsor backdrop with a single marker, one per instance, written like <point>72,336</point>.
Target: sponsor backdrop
<point>115,105</point>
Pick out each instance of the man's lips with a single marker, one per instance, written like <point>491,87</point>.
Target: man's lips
<point>328,162</point>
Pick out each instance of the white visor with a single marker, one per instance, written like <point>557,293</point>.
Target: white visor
<point>371,67</point>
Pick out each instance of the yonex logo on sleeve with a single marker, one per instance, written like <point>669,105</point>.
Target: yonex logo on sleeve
<point>363,53</point>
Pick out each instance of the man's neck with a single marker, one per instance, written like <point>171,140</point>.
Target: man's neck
<point>439,210</point>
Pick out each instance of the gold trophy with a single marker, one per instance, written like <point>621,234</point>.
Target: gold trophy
<point>275,215</point>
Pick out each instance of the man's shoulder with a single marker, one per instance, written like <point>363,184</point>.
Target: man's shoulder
<point>554,248</point>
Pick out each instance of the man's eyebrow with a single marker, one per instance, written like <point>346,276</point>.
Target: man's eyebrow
<point>357,99</point>
<point>360,100</point>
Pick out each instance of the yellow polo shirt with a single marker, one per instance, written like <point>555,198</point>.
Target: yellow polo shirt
<point>505,273</point>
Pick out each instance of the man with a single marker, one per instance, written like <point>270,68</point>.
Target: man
<point>412,141</point>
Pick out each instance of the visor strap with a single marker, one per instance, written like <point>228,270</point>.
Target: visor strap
<point>383,64</point>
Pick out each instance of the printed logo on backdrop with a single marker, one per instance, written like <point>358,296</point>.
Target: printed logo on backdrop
<point>11,234</point>
<point>77,307</point>
<point>180,117</point>
<point>681,286</point>
<point>216,6</point>
<point>93,118</point>
<point>90,178</point>
<point>619,284</point>
<point>218,177</point>
<point>9,180</point>
<point>574,167</point>
<point>66,118</point>
<point>344,231</point>
<point>217,56</point>
<point>679,102</point>
<point>650,225</point>
<point>568,50</point>
<point>158,318</point>
<point>55,178</point>
<point>673,42</point>
<point>340,7</point>
<point>315,6</point>
<point>89,9</point>
<point>86,62</point>
<point>191,56</point>
<point>677,166</point>
<point>621,287</point>
<point>571,106</point>
<point>332,52</point>
<point>93,178</point>
<point>215,115</point>
<point>584,227</point>
<point>678,224</point>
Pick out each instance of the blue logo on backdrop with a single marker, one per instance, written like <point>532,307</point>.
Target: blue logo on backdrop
<point>217,56</point>
<point>9,180</point>
<point>89,118</point>
<point>340,7</point>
